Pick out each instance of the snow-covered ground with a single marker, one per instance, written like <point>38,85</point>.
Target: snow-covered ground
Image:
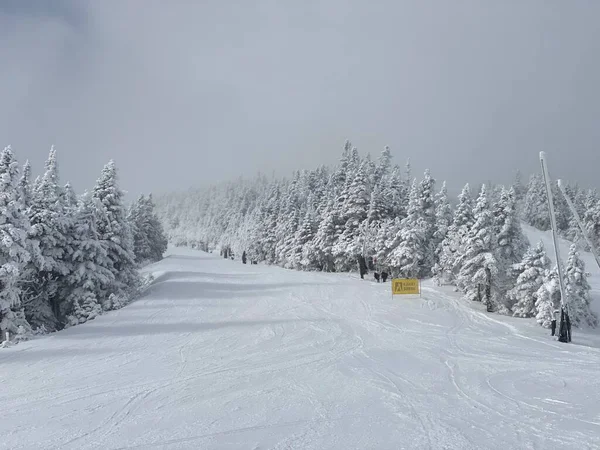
<point>220,355</point>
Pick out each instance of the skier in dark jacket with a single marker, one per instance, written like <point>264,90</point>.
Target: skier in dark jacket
<point>362,264</point>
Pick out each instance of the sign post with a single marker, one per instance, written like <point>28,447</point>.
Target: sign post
<point>406,286</point>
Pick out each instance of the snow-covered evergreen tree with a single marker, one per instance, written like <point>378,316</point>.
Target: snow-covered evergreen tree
<point>90,278</point>
<point>149,240</point>
<point>25,186</point>
<point>531,273</point>
<point>384,165</point>
<point>409,256</point>
<point>427,213</point>
<point>479,267</point>
<point>14,253</point>
<point>50,223</point>
<point>591,217</point>
<point>535,207</point>
<point>355,207</point>
<point>453,246</point>
<point>577,290</point>
<point>548,298</point>
<point>114,232</point>
<point>518,187</point>
<point>510,242</point>
<point>325,238</point>
<point>303,255</point>
<point>443,221</point>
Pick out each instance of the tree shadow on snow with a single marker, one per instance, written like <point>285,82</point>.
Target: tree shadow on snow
<point>199,257</point>
<point>42,354</point>
<point>189,275</point>
<point>187,290</point>
<point>190,290</point>
<point>149,329</point>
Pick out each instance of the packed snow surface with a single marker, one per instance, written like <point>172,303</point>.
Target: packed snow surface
<point>220,355</point>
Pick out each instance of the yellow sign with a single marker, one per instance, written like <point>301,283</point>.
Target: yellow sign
<point>405,286</point>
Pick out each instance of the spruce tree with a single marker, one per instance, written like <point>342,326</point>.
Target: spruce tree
<point>518,187</point>
<point>510,242</point>
<point>535,208</point>
<point>50,224</point>
<point>149,240</point>
<point>25,186</point>
<point>530,274</point>
<point>303,255</point>
<point>479,267</point>
<point>427,213</point>
<point>325,238</point>
<point>90,279</point>
<point>453,246</point>
<point>577,290</point>
<point>548,298</point>
<point>407,259</point>
<point>354,211</point>
<point>443,220</point>
<point>114,232</point>
<point>384,165</point>
<point>14,254</point>
<point>591,217</point>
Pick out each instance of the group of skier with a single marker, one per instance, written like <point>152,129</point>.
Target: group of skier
<point>364,266</point>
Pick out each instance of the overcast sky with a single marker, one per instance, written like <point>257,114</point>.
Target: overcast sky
<point>185,92</point>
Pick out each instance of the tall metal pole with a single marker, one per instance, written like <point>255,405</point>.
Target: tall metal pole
<point>579,222</point>
<point>564,333</point>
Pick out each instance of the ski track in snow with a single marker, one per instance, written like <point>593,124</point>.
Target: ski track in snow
<point>223,355</point>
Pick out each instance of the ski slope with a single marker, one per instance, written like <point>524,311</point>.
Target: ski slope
<point>220,355</point>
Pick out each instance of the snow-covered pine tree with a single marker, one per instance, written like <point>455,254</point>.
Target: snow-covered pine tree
<point>384,165</point>
<point>303,255</point>
<point>428,215</point>
<point>535,207</point>
<point>561,209</point>
<point>50,222</point>
<point>547,298</point>
<point>355,207</point>
<point>479,269</point>
<point>14,253</point>
<point>325,239</point>
<point>288,223</point>
<point>377,208</point>
<point>408,258</point>
<point>385,241</point>
<point>577,290</point>
<point>114,232</point>
<point>24,187</point>
<point>138,219</point>
<point>518,187</point>
<point>394,194</point>
<point>90,278</point>
<point>453,245</point>
<point>443,220</point>
<point>591,217</point>
<point>69,198</point>
<point>531,273</point>
<point>510,242</point>
<point>149,240</point>
<point>573,232</point>
<point>156,232</point>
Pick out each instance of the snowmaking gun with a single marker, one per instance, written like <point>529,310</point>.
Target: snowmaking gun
<point>564,329</point>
